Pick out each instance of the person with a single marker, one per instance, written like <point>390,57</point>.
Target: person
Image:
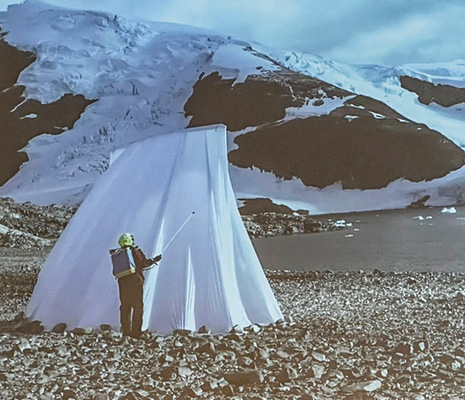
<point>131,288</point>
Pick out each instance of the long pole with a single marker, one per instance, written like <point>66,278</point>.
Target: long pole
<point>172,238</point>
<point>177,232</point>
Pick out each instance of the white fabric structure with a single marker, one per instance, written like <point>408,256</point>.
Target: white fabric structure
<point>210,274</point>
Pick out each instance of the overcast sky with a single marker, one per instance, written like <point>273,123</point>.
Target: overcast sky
<point>388,32</point>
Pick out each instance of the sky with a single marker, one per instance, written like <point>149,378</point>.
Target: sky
<point>389,32</point>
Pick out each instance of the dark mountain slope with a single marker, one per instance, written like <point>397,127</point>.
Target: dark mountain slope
<point>444,95</point>
<point>21,120</point>
<point>364,144</point>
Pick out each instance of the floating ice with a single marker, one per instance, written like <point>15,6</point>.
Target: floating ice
<point>449,210</point>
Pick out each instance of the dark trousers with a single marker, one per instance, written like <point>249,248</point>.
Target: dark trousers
<point>132,309</point>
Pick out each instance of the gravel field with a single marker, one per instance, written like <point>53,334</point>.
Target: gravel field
<point>347,335</point>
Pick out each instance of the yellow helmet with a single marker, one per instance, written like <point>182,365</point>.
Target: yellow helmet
<point>126,239</point>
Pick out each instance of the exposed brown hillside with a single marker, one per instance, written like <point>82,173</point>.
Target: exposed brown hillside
<point>359,147</point>
<point>444,95</point>
<point>261,99</point>
<point>365,144</point>
<point>21,120</point>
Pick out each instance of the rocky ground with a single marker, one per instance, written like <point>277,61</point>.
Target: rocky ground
<point>28,226</point>
<point>269,224</point>
<point>348,335</point>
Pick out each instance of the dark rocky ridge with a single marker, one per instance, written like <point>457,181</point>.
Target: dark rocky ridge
<point>444,95</point>
<point>17,128</point>
<point>268,224</point>
<point>362,153</point>
<point>261,99</point>
<point>13,62</point>
<point>364,144</point>
<point>263,218</point>
<point>258,205</point>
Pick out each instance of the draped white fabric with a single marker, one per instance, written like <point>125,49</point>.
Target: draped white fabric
<point>210,274</point>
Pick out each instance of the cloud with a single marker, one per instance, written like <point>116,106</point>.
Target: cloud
<point>421,37</point>
<point>355,31</point>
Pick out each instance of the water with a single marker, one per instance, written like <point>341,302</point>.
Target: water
<point>390,240</point>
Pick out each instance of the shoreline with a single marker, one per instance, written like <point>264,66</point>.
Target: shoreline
<point>401,240</point>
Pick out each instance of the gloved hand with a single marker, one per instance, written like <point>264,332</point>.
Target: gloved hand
<point>157,258</point>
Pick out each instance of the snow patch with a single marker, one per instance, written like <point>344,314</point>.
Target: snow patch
<point>233,135</point>
<point>377,116</point>
<point>356,106</point>
<point>32,115</point>
<point>311,110</point>
<point>240,62</point>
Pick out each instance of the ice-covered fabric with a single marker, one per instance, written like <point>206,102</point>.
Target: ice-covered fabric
<point>210,275</point>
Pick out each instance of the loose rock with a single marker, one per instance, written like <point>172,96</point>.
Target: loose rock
<point>246,377</point>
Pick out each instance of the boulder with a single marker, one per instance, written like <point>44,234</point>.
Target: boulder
<point>245,377</point>
<point>59,328</point>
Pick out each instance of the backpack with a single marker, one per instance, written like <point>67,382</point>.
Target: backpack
<point>123,262</point>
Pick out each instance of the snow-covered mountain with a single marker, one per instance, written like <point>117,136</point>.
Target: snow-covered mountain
<point>304,132</point>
